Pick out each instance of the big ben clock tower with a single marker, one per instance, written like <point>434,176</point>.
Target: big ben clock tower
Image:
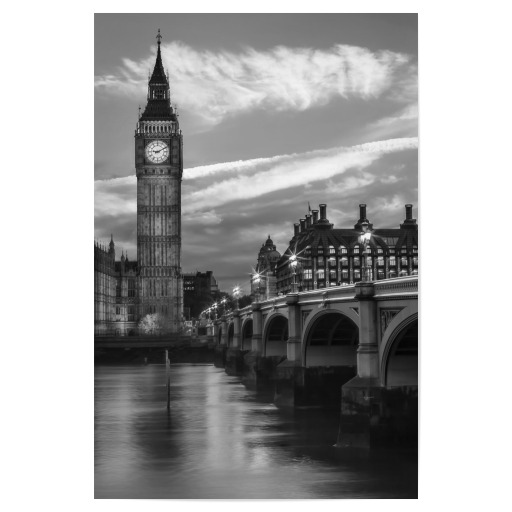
<point>159,168</point>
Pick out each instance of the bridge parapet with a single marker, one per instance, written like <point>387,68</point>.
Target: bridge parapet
<point>327,295</point>
<point>273,304</point>
<point>402,286</point>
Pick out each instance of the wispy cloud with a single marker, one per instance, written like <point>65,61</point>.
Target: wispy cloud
<point>288,171</point>
<point>215,85</point>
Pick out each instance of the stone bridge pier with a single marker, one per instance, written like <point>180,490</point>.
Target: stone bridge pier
<point>355,345</point>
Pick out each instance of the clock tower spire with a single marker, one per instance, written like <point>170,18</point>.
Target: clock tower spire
<point>159,169</point>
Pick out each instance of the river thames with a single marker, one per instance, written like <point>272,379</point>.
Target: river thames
<point>219,440</point>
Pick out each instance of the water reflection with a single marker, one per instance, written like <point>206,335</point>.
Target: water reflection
<point>219,440</point>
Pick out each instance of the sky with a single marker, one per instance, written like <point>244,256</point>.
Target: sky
<point>278,111</point>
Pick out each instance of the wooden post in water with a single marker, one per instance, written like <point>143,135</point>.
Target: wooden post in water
<point>168,373</point>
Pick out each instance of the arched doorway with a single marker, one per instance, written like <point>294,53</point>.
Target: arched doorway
<point>332,341</point>
<point>276,336</point>
<point>402,360</point>
<point>231,334</point>
<point>247,335</point>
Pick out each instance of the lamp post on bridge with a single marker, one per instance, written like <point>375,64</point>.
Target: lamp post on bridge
<point>223,302</point>
<point>292,260</point>
<point>256,279</point>
<point>236,293</point>
<point>364,238</point>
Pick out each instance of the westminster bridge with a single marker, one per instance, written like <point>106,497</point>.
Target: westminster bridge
<point>355,344</point>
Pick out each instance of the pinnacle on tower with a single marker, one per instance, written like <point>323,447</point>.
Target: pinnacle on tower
<point>158,75</point>
<point>159,106</point>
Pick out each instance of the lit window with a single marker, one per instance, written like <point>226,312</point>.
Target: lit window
<point>332,275</point>
<point>379,250</point>
<point>403,261</point>
<point>415,260</point>
<point>356,249</point>
<point>344,261</point>
<point>332,262</point>
<point>381,273</point>
<point>332,250</point>
<point>344,273</point>
<point>357,261</point>
<point>392,261</point>
<point>320,262</point>
<point>321,274</point>
<point>380,261</point>
<point>357,274</point>
<point>308,273</point>
<point>343,249</point>
<point>369,261</point>
<point>404,250</point>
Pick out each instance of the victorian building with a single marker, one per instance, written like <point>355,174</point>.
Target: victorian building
<point>263,281</point>
<point>154,283</point>
<point>319,255</point>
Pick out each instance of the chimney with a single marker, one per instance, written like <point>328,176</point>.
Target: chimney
<point>296,227</point>
<point>362,219</point>
<point>315,216</point>
<point>362,212</point>
<point>409,221</point>
<point>302,225</point>
<point>308,220</point>
<point>323,211</point>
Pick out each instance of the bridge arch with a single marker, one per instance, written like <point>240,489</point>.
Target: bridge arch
<point>247,334</point>
<point>231,334</point>
<point>399,365</point>
<point>330,339</point>
<point>275,335</point>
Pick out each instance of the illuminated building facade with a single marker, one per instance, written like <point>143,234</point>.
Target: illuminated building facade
<point>330,257</point>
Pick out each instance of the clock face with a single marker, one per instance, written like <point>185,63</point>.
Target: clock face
<point>157,151</point>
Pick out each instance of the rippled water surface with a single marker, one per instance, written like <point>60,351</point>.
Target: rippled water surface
<point>220,440</point>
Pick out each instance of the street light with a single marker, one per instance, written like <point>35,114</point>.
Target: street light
<point>256,281</point>
<point>236,293</point>
<point>292,260</point>
<point>214,306</point>
<point>223,302</point>
<point>364,238</point>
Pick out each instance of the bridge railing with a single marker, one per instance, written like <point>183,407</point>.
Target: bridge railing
<point>332,293</point>
<point>397,286</point>
<point>274,302</point>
